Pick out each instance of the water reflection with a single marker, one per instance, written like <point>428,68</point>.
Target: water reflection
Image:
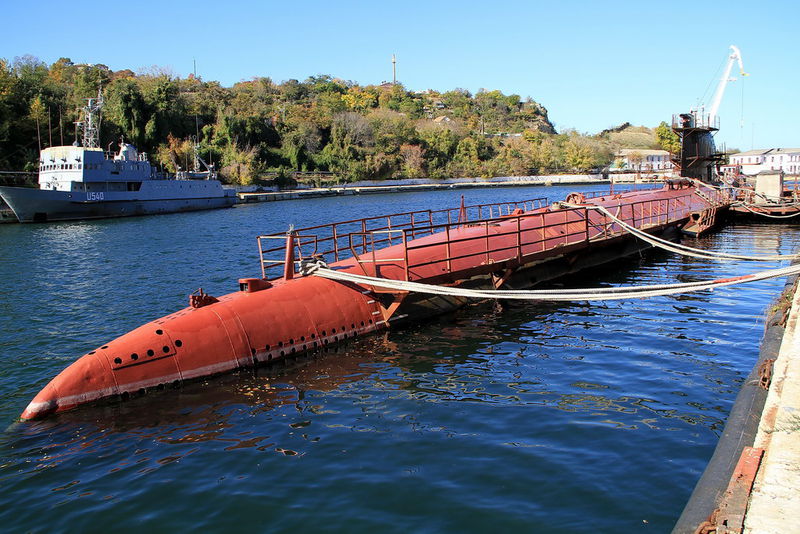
<point>500,358</point>
<point>199,411</point>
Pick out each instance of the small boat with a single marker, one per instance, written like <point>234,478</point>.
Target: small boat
<point>84,182</point>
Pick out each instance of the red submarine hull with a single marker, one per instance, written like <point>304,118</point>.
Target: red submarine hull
<point>272,319</point>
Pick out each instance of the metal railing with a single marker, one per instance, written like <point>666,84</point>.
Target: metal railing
<point>518,238</point>
<point>468,244</point>
<point>335,241</point>
<point>695,119</point>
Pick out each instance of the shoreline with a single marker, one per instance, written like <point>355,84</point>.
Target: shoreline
<point>403,186</point>
<point>252,194</point>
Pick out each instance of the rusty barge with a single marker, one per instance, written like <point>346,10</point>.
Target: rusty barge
<point>287,311</point>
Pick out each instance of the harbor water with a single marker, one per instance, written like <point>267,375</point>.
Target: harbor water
<point>528,417</point>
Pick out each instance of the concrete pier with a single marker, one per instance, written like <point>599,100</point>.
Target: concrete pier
<point>752,482</point>
<point>774,505</point>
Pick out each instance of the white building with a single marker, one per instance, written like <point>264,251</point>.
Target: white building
<point>640,159</point>
<point>771,159</point>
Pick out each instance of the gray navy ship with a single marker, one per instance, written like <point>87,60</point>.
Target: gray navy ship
<point>84,182</point>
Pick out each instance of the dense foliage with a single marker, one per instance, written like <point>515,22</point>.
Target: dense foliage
<point>320,124</point>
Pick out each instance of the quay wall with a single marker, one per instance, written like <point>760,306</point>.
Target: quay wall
<point>251,194</point>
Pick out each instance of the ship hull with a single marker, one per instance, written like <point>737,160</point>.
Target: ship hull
<point>290,318</point>
<point>268,320</point>
<point>41,205</point>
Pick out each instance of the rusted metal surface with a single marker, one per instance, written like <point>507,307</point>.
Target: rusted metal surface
<point>732,509</point>
<point>291,313</point>
<point>428,250</point>
<point>700,222</point>
<point>698,154</point>
<point>728,518</point>
<point>765,373</point>
<point>709,526</point>
<point>200,298</point>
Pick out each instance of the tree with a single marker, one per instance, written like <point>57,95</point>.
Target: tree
<point>126,108</point>
<point>413,161</point>
<point>7,83</point>
<point>301,144</point>
<point>323,83</point>
<point>351,137</point>
<point>241,166</point>
<point>257,124</point>
<point>63,71</point>
<point>176,155</point>
<point>326,106</point>
<point>459,102</point>
<point>38,115</point>
<point>358,99</point>
<point>544,155</point>
<point>166,109</point>
<point>294,91</point>
<point>466,161</point>
<point>515,158</point>
<point>391,130</point>
<point>440,144</point>
<point>667,139</point>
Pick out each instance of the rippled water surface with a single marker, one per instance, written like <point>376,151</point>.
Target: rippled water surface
<point>527,418</point>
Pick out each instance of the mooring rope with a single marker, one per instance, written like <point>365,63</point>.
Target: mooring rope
<point>768,198</point>
<point>583,294</point>
<point>319,268</point>
<point>676,247</point>
<point>751,210</point>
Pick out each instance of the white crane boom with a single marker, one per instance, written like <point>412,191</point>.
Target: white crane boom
<point>734,56</point>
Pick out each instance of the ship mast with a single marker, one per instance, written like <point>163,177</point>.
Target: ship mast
<point>91,121</point>
<point>196,144</point>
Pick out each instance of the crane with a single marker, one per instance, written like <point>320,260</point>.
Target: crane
<point>735,55</point>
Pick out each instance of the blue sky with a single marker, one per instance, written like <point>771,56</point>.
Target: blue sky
<point>593,65</point>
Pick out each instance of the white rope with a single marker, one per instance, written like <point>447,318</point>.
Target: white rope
<point>678,248</point>
<point>748,208</point>
<point>772,201</point>
<point>591,294</point>
<point>780,202</point>
<point>768,198</point>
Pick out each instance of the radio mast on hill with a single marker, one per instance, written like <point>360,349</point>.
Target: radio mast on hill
<point>394,70</point>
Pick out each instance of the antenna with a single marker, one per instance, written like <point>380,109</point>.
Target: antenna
<point>196,145</point>
<point>394,70</point>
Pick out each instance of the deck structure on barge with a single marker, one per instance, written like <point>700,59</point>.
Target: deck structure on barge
<point>766,195</point>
